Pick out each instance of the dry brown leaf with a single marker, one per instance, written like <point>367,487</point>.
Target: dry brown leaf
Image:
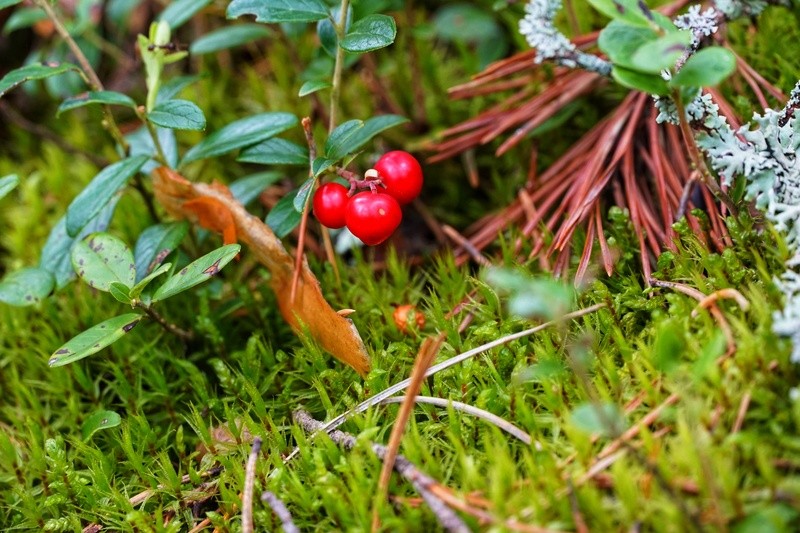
<point>308,311</point>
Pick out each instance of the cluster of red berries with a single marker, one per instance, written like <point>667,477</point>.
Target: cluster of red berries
<point>371,215</point>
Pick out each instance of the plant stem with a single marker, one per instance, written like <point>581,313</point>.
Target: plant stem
<point>184,335</point>
<point>159,156</point>
<point>340,28</point>
<point>94,81</point>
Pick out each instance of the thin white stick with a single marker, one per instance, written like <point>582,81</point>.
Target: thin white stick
<point>477,412</point>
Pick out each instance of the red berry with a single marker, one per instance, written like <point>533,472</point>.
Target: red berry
<point>372,217</point>
<point>401,174</point>
<point>329,204</point>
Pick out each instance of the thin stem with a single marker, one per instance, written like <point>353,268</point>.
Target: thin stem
<point>249,484</point>
<point>340,28</point>
<point>185,335</point>
<point>159,155</point>
<point>138,184</point>
<point>301,241</point>
<point>94,81</point>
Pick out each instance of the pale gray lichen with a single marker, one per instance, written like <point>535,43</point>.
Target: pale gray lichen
<point>700,24</point>
<point>541,33</point>
<point>734,9</point>
<point>767,153</point>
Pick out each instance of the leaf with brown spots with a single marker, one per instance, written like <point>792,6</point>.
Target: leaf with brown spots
<point>308,311</point>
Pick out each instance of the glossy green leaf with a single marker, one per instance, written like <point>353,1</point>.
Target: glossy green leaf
<point>648,83</point>
<point>241,133</point>
<point>370,33</point>
<point>8,184</point>
<point>98,421</point>
<point>633,12</point>
<point>141,143</point>
<point>120,292</point>
<point>26,287</point>
<point>604,419</point>
<point>197,272</point>
<point>94,197</point>
<point>137,289</point>
<point>96,98</point>
<point>620,41</point>
<point>173,87</point>
<point>339,134</point>
<point>178,115</point>
<point>247,189</point>
<point>312,86</point>
<point>94,339</point>
<point>56,257</point>
<point>283,218</point>
<point>179,11</point>
<point>327,33</point>
<point>155,244</point>
<point>662,53</point>
<point>279,10</point>
<point>706,68</point>
<point>275,152</point>
<point>303,194</point>
<point>35,71</point>
<point>320,165</point>
<point>357,135</point>
<point>23,17</point>
<point>103,259</point>
<point>228,37</point>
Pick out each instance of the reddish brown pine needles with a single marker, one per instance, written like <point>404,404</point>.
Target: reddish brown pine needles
<point>627,160</point>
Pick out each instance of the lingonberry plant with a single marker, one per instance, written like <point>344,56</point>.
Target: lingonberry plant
<point>78,244</point>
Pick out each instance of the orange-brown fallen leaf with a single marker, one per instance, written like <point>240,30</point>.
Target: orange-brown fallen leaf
<point>210,206</point>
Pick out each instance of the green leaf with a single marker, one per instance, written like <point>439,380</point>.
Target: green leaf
<point>303,194</point>
<point>247,189</point>
<point>103,259</point>
<point>96,97</point>
<point>98,421</point>
<point>120,292</point>
<point>669,346</point>
<point>620,41</point>
<point>312,86</point>
<point>340,133</point>
<point>275,152</point>
<point>137,289</point>
<point>8,184</point>
<point>23,17</point>
<point>179,11</point>
<point>604,419</point>
<point>706,68</point>
<point>283,218</point>
<point>94,339</point>
<point>173,87</point>
<point>648,83</point>
<point>56,257</point>
<point>228,37</point>
<point>320,165</point>
<point>35,71</point>
<point>633,12</point>
<point>356,136</point>
<point>662,53</point>
<point>8,3</point>
<point>155,244</point>
<point>370,33</point>
<point>197,272</point>
<point>279,10</point>
<point>178,115</point>
<point>141,143</point>
<point>26,287</point>
<point>96,195</point>
<point>327,32</point>
<point>241,133</point>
